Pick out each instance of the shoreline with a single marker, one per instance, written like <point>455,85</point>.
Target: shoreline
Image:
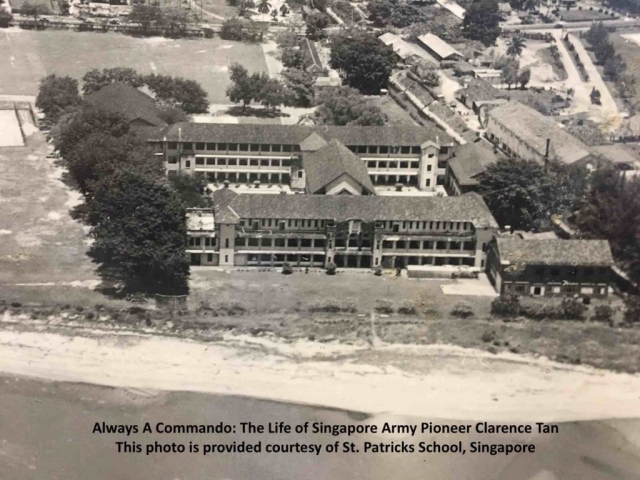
<point>434,381</point>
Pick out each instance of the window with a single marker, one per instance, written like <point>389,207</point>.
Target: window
<point>393,164</point>
<point>266,242</point>
<point>387,244</point>
<point>264,162</point>
<point>276,148</point>
<point>187,146</point>
<point>210,257</point>
<point>232,161</point>
<point>427,245</point>
<point>222,146</point>
<point>226,258</point>
<point>254,147</point>
<point>414,244</point>
<point>383,150</point>
<point>275,163</point>
<point>539,271</point>
<point>173,145</point>
<point>469,246</point>
<point>305,242</point>
<point>292,242</point>
<point>415,164</point>
<point>253,162</point>
<point>254,242</point>
<point>279,242</point>
<point>211,146</point>
<point>226,243</point>
<point>241,241</point>
<point>401,244</point>
<point>404,164</point>
<point>242,162</point>
<point>187,164</point>
<point>415,149</point>
<point>405,150</point>
<point>172,160</point>
<point>286,162</point>
<point>286,148</point>
<point>200,146</point>
<point>318,243</point>
<point>429,168</point>
<point>211,161</point>
<point>300,173</point>
<point>441,245</point>
<point>373,149</point>
<point>265,148</point>
<point>243,147</point>
<point>382,164</point>
<point>573,272</point>
<point>362,149</point>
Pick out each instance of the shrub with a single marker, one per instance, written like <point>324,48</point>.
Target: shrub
<point>632,312</point>
<point>331,307</point>
<point>489,336</point>
<point>462,311</point>
<point>90,316</point>
<point>407,309</point>
<point>5,19</point>
<point>286,269</point>
<point>572,309</point>
<point>331,268</point>
<point>506,306</point>
<point>603,313</point>
<point>378,272</point>
<point>383,306</point>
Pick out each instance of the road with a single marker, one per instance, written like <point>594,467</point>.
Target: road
<point>46,434</point>
<point>609,106</point>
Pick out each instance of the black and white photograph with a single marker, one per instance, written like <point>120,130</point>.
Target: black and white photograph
<point>319,239</point>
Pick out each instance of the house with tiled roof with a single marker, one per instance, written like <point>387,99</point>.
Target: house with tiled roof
<point>352,231</point>
<point>550,267</point>
<point>138,107</point>
<point>413,156</point>
<point>438,48</point>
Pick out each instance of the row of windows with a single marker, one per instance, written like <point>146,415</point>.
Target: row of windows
<point>423,225</point>
<point>243,162</point>
<point>379,149</point>
<point>427,245</point>
<point>199,241</point>
<point>273,223</point>
<point>280,242</point>
<point>234,147</point>
<point>569,271</point>
<point>392,164</point>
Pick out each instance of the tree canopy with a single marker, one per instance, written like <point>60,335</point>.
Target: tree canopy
<point>191,190</point>
<point>482,22</point>
<point>56,94</point>
<point>346,106</point>
<point>95,79</point>
<point>394,12</point>
<point>365,63</point>
<point>139,231</point>
<point>179,92</point>
<point>522,194</point>
<point>611,209</point>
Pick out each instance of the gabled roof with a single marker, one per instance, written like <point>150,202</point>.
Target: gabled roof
<point>313,53</point>
<point>471,160</point>
<point>464,208</point>
<point>127,100</point>
<point>331,162</point>
<point>442,48</point>
<point>398,135</point>
<point>533,128</point>
<point>312,143</point>
<point>555,252</point>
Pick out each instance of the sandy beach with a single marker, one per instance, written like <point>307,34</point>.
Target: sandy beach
<point>438,381</point>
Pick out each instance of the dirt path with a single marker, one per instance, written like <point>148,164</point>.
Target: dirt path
<point>444,381</point>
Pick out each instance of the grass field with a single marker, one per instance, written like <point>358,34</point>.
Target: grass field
<point>630,52</point>
<point>219,7</point>
<point>397,115</point>
<point>27,56</point>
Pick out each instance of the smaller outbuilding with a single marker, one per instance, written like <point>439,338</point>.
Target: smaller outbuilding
<point>438,48</point>
<point>549,267</point>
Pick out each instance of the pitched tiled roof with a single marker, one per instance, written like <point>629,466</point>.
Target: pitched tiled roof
<point>555,252</point>
<point>533,128</point>
<point>470,161</point>
<point>127,100</point>
<point>464,208</point>
<point>402,135</point>
<point>435,43</point>
<point>331,162</point>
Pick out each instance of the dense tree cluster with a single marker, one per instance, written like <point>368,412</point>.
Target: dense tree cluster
<point>57,94</point>
<point>394,12</point>
<point>345,106</point>
<point>524,195</point>
<point>611,209</point>
<point>171,93</point>
<point>172,22</point>
<point>482,22</point>
<point>439,22</point>
<point>258,87</point>
<point>242,30</point>
<point>365,63</point>
<point>136,216</point>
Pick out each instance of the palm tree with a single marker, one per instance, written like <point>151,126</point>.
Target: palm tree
<point>515,45</point>
<point>264,6</point>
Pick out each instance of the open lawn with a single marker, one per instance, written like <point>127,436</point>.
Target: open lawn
<point>27,56</point>
<point>397,115</point>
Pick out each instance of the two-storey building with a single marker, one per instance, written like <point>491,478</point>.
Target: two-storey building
<point>549,267</point>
